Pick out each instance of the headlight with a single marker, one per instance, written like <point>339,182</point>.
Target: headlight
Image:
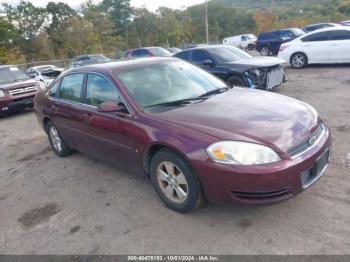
<point>2,94</point>
<point>241,153</point>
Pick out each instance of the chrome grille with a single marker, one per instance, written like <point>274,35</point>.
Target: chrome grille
<point>308,143</point>
<point>24,90</point>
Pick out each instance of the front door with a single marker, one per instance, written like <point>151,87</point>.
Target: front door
<point>110,134</point>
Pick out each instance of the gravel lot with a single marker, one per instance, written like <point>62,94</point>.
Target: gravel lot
<point>79,205</point>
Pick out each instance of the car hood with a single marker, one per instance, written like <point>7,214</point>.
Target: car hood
<point>19,84</point>
<point>258,61</point>
<point>249,115</point>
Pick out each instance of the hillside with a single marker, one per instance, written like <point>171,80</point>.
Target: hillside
<point>267,4</point>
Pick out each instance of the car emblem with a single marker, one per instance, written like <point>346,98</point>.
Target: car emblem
<point>312,140</point>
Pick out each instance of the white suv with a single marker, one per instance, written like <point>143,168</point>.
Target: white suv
<point>323,46</point>
<point>241,41</point>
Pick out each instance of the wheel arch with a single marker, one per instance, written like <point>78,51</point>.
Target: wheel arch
<point>46,120</point>
<point>299,52</point>
<point>151,150</point>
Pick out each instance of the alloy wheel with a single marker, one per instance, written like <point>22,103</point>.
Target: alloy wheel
<point>172,182</point>
<point>55,139</point>
<point>298,60</point>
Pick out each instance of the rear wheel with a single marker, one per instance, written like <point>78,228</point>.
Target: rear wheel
<point>298,60</point>
<point>175,182</point>
<point>265,51</point>
<point>56,141</point>
<point>235,81</point>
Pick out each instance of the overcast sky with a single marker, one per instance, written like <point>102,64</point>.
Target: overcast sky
<point>150,4</point>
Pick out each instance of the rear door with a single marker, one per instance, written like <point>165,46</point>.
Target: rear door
<point>65,109</point>
<point>340,46</point>
<point>110,135</point>
<point>317,47</point>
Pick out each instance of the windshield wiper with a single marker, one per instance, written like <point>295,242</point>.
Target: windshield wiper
<point>177,102</point>
<point>215,92</point>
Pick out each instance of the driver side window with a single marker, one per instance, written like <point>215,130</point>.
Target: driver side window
<point>99,90</point>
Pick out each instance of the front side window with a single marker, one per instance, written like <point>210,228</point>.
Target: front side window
<point>184,55</point>
<point>199,56</point>
<point>143,53</point>
<point>71,87</point>
<point>166,82</point>
<point>317,37</point>
<point>99,90</point>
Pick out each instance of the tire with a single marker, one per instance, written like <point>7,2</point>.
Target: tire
<point>265,51</point>
<point>250,47</point>
<point>56,141</point>
<point>235,81</point>
<point>175,182</point>
<point>298,60</point>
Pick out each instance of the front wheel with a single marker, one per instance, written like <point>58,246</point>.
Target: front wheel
<point>56,141</point>
<point>175,182</point>
<point>298,60</point>
<point>235,81</point>
<point>250,47</point>
<point>265,51</point>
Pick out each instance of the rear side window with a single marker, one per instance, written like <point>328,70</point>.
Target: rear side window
<point>99,90</point>
<point>199,56</point>
<point>340,35</point>
<point>143,53</point>
<point>71,87</point>
<point>317,37</point>
<point>184,55</point>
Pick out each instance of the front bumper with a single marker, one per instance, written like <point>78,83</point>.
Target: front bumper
<point>16,104</point>
<point>261,184</point>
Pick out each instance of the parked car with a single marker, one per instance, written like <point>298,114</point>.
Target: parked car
<point>174,50</point>
<point>44,73</point>
<point>147,52</point>
<point>270,42</point>
<point>194,137</point>
<point>313,27</point>
<point>345,23</point>
<point>17,89</point>
<point>246,41</point>
<point>236,67</point>
<point>88,59</point>
<point>325,46</point>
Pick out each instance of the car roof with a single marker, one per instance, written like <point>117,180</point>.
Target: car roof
<point>207,47</point>
<point>41,66</point>
<point>338,27</point>
<point>324,23</point>
<point>115,66</point>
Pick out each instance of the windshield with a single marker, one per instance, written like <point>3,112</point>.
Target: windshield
<point>157,51</point>
<point>251,37</point>
<point>229,54</point>
<point>12,74</point>
<point>167,82</point>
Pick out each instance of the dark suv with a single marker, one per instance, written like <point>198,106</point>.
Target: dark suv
<point>17,89</point>
<point>270,42</point>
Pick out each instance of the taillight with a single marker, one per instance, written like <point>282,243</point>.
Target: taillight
<point>282,47</point>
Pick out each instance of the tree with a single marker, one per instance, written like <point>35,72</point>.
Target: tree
<point>120,11</point>
<point>29,21</point>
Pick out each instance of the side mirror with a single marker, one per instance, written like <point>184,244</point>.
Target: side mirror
<point>111,107</point>
<point>208,63</point>
<point>32,75</point>
<point>108,107</point>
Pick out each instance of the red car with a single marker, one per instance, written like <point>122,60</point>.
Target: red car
<point>17,89</point>
<point>196,138</point>
<point>147,52</point>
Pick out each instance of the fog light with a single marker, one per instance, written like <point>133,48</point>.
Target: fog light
<point>4,109</point>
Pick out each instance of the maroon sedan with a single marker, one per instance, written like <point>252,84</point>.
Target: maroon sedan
<point>196,138</point>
